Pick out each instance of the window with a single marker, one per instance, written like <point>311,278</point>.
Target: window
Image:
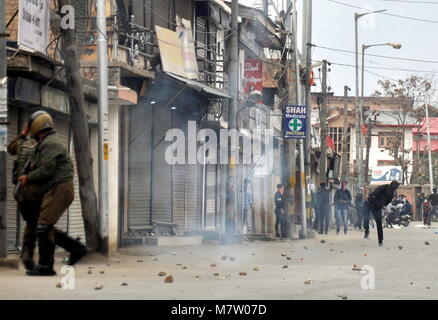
<point>388,138</point>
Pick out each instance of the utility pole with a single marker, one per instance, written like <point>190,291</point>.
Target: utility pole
<point>288,158</point>
<point>70,55</point>
<point>323,122</point>
<point>307,47</point>
<point>359,150</point>
<point>429,150</point>
<point>368,146</point>
<point>230,218</point>
<point>344,136</point>
<point>103,149</point>
<point>3,133</point>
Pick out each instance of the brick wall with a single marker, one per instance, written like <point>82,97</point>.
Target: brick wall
<point>11,8</point>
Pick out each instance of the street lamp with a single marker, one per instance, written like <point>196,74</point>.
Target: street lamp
<point>364,47</point>
<point>359,148</point>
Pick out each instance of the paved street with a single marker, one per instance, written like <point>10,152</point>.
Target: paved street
<point>405,268</point>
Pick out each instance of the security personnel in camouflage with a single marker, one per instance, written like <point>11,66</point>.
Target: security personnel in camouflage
<point>28,197</point>
<point>52,172</point>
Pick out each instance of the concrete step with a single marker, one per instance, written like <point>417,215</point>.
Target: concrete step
<point>164,241</point>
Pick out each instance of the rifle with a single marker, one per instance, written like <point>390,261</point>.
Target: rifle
<point>24,171</point>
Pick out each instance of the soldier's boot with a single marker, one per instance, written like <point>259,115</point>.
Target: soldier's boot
<point>76,249</point>
<point>46,248</point>
<point>29,239</point>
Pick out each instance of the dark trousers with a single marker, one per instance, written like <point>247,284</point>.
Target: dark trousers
<point>369,210</point>
<point>359,217</point>
<point>316,222</point>
<point>324,219</point>
<point>279,222</point>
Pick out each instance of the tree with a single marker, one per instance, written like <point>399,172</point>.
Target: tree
<point>407,100</point>
<point>84,162</point>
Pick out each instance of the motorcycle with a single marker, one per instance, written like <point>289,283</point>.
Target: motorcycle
<point>398,215</point>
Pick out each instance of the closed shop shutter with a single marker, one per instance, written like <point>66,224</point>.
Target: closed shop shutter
<point>161,170</point>
<point>80,7</point>
<point>139,160</point>
<point>210,196</point>
<point>138,11</point>
<point>191,197</point>
<point>184,9</point>
<point>178,196</point>
<point>75,220</point>
<point>161,14</point>
<point>62,128</point>
<point>11,204</point>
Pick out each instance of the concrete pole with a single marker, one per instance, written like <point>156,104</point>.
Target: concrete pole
<point>3,134</point>
<point>323,122</point>
<point>230,221</point>
<point>103,148</point>
<point>344,136</point>
<point>429,150</point>
<point>357,106</point>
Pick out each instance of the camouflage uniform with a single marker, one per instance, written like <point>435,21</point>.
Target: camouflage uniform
<point>28,197</point>
<point>52,173</point>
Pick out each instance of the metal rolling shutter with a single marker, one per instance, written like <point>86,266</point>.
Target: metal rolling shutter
<point>161,13</point>
<point>210,196</point>
<point>139,161</point>
<point>80,7</point>
<point>75,220</point>
<point>11,204</point>
<point>138,11</point>
<point>184,9</point>
<point>178,196</point>
<point>161,170</point>
<point>62,129</point>
<point>191,198</point>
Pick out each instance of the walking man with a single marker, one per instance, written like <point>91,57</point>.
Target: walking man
<point>433,199</point>
<point>279,212</point>
<point>374,204</point>
<point>323,199</point>
<point>52,173</point>
<point>359,201</point>
<point>342,202</point>
<point>28,197</point>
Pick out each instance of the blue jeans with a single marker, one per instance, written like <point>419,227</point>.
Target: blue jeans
<point>341,217</point>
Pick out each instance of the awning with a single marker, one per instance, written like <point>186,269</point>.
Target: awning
<point>201,87</point>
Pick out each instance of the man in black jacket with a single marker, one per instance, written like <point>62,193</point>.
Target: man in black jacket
<point>342,202</point>
<point>279,212</point>
<point>378,199</point>
<point>323,201</point>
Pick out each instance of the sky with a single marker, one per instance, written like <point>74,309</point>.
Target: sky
<point>333,27</point>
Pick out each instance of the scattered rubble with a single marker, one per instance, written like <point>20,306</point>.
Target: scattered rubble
<point>59,285</point>
<point>400,247</point>
<point>124,284</point>
<point>308,281</point>
<point>256,269</point>
<point>342,297</point>
<point>427,243</point>
<point>162,273</point>
<point>102,272</point>
<point>285,266</point>
<point>323,241</point>
<point>224,257</point>
<point>216,274</point>
<point>242,273</point>
<point>288,258</point>
<point>283,255</point>
<point>139,260</point>
<point>98,286</point>
<point>232,259</point>
<point>213,265</point>
<point>356,268</point>
<point>168,279</point>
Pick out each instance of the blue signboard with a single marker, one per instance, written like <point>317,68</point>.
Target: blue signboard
<point>295,122</point>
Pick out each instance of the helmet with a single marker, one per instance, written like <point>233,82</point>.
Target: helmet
<point>38,121</point>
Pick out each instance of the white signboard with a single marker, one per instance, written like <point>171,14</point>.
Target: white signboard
<point>33,27</point>
<point>386,174</point>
